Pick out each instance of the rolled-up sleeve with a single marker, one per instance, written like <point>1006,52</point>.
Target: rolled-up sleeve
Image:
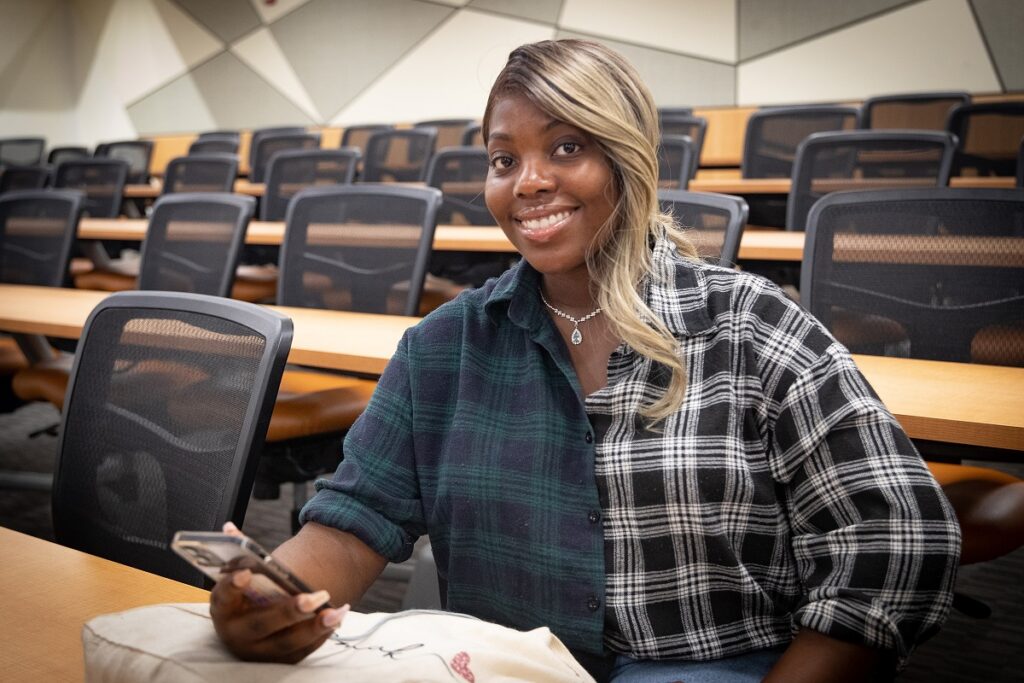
<point>875,541</point>
<point>374,493</point>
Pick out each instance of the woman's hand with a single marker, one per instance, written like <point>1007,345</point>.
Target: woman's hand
<point>285,630</point>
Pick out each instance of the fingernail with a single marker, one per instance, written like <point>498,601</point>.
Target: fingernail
<point>240,579</point>
<point>308,602</point>
<point>229,527</point>
<point>333,617</point>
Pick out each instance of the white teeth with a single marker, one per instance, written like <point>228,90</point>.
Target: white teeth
<point>546,222</point>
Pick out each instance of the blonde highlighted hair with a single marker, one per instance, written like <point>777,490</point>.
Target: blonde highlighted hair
<point>591,87</point>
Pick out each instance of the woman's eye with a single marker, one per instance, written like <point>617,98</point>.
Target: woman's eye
<point>567,148</point>
<point>501,162</point>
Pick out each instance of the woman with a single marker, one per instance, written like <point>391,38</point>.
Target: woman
<point>669,464</point>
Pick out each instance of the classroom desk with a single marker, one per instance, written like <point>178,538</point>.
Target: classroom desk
<point>952,403</point>
<point>772,245</point>
<point>751,186</point>
<point>50,591</point>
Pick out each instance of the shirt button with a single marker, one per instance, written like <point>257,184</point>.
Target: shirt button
<point>594,516</point>
<point>589,438</point>
<point>593,604</point>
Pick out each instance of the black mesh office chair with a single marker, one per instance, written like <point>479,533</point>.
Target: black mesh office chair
<point>297,169</point>
<point>259,133</point>
<point>693,127</point>
<point>37,232</point>
<point>102,181</point>
<point>201,173</point>
<point>358,136</point>
<point>675,162</point>
<point>769,148</point>
<point>460,173</point>
<point>866,159</point>
<point>450,132</point>
<point>398,155</point>
<point>352,248</point>
<point>22,151</point>
<point>988,137</point>
<point>714,222</point>
<point>220,135</point>
<point>191,246</point>
<point>214,145</point>
<point>933,274</point>
<point>23,178</point>
<point>675,111</point>
<point>473,136</point>
<point>59,155</point>
<point>169,399</point>
<point>136,152</point>
<point>917,111</point>
<point>269,145</point>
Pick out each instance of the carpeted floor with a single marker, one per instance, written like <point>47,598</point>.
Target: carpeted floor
<point>986,651</point>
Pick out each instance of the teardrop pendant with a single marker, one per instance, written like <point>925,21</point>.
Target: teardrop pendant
<point>577,337</point>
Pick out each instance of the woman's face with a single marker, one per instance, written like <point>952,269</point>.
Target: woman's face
<point>550,187</point>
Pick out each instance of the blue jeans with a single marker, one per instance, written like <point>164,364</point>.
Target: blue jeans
<point>750,667</point>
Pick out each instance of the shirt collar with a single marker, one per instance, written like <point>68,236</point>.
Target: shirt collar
<point>676,291</point>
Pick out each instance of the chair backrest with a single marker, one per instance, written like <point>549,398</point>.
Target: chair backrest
<point>193,242</point>
<point>294,170</point>
<point>347,247</point>
<point>473,136</point>
<point>449,131</point>
<point>259,133</point>
<point>866,160</point>
<point>37,231</point>
<point>918,111</point>
<point>932,273</point>
<point>23,178</point>
<point>989,135</point>
<point>460,174</point>
<point>773,134</point>
<point>220,135</point>
<point>102,181</point>
<point>398,155</point>
<point>136,152</point>
<point>675,162</point>
<point>201,173</point>
<point>269,145</point>
<point>693,127</point>
<point>675,111</point>
<point>358,136</point>
<point>1020,164</point>
<point>22,151</point>
<point>59,155</point>
<point>166,412</point>
<point>214,145</point>
<point>714,222</point>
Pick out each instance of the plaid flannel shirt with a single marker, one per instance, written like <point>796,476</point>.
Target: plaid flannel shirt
<point>781,494</point>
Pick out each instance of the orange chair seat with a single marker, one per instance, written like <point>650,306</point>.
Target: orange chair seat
<point>989,505</point>
<point>311,402</point>
<point>11,357</point>
<point>45,381</point>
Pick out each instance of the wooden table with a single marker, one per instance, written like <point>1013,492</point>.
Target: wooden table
<point>154,187</point>
<point>956,403</point>
<point>774,245</point>
<point>747,186</point>
<point>50,591</point>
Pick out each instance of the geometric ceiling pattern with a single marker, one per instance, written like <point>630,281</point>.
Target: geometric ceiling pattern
<point>138,67</point>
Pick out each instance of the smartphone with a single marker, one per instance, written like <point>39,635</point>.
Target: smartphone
<point>215,553</point>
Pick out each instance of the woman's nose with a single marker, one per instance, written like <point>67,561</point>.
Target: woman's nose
<point>534,176</point>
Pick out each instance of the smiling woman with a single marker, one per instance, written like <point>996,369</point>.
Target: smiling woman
<point>669,464</point>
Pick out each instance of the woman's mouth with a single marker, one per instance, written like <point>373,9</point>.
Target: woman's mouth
<point>542,227</point>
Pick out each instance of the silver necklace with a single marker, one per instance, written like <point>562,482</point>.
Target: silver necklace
<point>576,337</point>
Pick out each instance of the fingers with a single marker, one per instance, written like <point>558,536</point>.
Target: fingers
<point>231,530</point>
<point>285,630</point>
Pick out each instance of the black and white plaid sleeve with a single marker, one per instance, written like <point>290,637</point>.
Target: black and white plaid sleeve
<point>875,541</point>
